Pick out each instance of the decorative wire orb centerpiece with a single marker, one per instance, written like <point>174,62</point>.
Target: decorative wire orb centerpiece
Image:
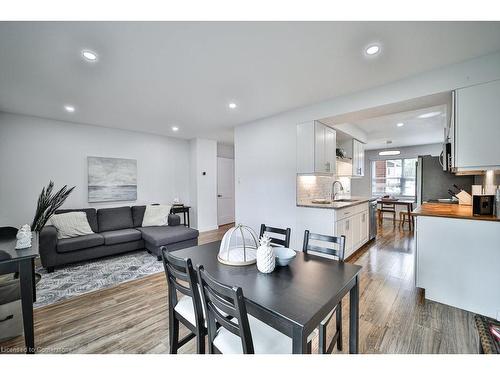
<point>238,246</point>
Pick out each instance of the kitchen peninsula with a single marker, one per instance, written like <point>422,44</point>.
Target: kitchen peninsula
<point>348,216</point>
<point>458,257</point>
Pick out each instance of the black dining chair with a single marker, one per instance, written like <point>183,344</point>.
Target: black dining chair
<point>230,329</point>
<point>338,252</point>
<point>188,310</point>
<point>275,241</point>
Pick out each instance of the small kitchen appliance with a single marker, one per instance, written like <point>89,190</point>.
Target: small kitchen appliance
<point>483,205</point>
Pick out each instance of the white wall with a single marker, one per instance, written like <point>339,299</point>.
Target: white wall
<point>265,150</point>
<point>361,186</point>
<point>204,184</point>
<point>35,150</point>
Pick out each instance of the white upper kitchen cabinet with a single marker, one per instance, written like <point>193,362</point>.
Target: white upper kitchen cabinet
<point>316,144</point>
<point>354,163</point>
<point>477,127</point>
<point>358,158</point>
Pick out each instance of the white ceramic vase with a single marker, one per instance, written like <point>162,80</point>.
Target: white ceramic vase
<point>266,260</point>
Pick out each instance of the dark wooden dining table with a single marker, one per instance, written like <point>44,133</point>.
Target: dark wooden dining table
<point>402,202</point>
<point>293,299</point>
<point>23,260</point>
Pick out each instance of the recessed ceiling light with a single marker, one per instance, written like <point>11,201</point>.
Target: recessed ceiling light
<point>372,49</point>
<point>399,124</point>
<point>232,105</point>
<point>389,152</point>
<point>69,108</point>
<point>89,55</point>
<point>175,128</point>
<point>430,114</point>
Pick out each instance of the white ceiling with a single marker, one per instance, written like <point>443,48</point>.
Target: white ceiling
<point>415,131</point>
<point>379,124</point>
<point>153,75</point>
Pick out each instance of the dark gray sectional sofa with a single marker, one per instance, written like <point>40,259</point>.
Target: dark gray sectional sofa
<point>116,230</point>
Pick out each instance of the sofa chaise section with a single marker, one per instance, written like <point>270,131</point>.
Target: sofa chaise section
<point>172,237</point>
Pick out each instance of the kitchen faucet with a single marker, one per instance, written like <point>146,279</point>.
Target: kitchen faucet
<point>334,194</point>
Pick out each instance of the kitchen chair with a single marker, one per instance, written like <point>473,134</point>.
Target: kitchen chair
<point>389,208</point>
<point>403,217</point>
<point>339,254</point>
<point>286,233</point>
<point>230,329</point>
<point>188,309</point>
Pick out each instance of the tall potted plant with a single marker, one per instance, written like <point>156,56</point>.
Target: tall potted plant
<point>48,203</point>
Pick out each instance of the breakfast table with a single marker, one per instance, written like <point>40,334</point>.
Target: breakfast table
<point>292,299</point>
<point>408,203</point>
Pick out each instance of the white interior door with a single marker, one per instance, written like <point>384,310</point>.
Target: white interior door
<point>225,191</point>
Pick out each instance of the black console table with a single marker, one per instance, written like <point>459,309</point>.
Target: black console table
<point>24,259</point>
<point>185,212</point>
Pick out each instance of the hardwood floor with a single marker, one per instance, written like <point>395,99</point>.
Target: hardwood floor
<point>394,317</point>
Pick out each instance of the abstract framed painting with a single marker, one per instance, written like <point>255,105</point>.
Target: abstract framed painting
<point>111,179</point>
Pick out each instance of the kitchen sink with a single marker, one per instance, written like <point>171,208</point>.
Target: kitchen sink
<point>327,201</point>
<point>321,201</point>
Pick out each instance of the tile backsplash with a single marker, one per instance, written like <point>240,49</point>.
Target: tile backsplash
<point>311,187</point>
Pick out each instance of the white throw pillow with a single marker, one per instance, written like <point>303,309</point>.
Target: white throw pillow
<point>71,224</point>
<point>156,215</point>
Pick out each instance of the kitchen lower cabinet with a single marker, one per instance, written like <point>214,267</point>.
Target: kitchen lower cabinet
<point>365,227</point>
<point>457,263</point>
<point>351,222</point>
<point>355,229</point>
<point>344,228</point>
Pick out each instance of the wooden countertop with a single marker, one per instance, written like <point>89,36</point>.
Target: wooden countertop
<point>453,211</point>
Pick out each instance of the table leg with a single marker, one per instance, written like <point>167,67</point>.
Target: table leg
<point>354,318</point>
<point>33,281</point>
<point>184,215</point>
<point>189,223</point>
<point>299,343</point>
<point>26,281</point>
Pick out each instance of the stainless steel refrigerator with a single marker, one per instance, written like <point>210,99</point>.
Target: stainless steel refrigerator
<point>432,183</point>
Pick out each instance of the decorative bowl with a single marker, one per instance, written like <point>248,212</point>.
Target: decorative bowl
<point>284,255</point>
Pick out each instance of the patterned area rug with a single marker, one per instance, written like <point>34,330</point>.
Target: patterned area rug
<point>85,277</point>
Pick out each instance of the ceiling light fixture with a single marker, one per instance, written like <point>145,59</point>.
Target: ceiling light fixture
<point>89,55</point>
<point>400,124</point>
<point>175,128</point>
<point>372,49</point>
<point>430,114</point>
<point>69,108</point>
<point>232,105</point>
<point>389,152</point>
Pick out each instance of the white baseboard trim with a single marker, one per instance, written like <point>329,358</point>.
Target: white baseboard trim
<point>208,229</point>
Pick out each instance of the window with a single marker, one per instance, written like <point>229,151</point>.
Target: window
<point>394,177</point>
